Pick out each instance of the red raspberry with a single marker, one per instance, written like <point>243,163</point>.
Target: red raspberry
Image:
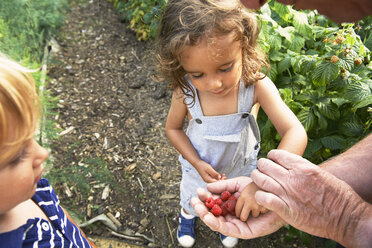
<point>209,202</point>
<point>218,201</point>
<point>225,195</point>
<point>233,198</point>
<point>216,210</point>
<point>230,206</point>
<point>224,210</point>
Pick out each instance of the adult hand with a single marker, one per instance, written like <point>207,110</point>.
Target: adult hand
<point>309,198</point>
<point>337,10</point>
<point>230,225</point>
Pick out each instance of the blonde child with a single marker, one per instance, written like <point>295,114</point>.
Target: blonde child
<point>30,214</point>
<point>208,52</point>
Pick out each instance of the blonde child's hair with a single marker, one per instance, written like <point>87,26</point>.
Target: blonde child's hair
<point>187,22</point>
<point>19,107</point>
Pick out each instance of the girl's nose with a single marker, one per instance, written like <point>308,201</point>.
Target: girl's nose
<point>215,83</point>
<point>41,154</point>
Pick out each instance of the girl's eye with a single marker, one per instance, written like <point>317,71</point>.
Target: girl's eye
<point>197,76</point>
<point>226,69</point>
<point>18,159</point>
<point>22,155</point>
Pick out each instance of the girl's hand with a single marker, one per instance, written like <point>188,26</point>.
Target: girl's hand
<point>207,172</point>
<point>247,204</point>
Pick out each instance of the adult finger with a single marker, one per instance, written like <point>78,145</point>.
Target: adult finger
<point>266,182</point>
<point>231,185</point>
<point>199,207</point>
<point>270,168</point>
<point>271,202</point>
<point>203,194</point>
<point>289,160</point>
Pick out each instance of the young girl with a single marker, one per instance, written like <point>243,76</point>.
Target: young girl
<point>208,52</point>
<point>30,214</point>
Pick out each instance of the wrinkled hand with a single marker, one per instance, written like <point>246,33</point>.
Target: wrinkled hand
<point>306,196</point>
<point>207,172</point>
<point>231,225</point>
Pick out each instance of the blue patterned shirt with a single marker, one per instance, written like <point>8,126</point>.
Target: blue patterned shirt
<point>37,232</point>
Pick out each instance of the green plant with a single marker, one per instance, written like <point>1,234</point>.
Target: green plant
<point>323,74</point>
<point>26,25</point>
<point>143,16</point>
<point>83,174</point>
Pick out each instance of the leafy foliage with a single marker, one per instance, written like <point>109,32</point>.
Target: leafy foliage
<point>25,25</point>
<point>143,16</point>
<point>323,73</point>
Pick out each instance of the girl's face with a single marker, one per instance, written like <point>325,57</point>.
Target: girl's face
<point>19,175</point>
<point>216,68</point>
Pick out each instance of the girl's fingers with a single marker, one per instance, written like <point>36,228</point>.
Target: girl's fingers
<point>255,212</point>
<point>244,214</point>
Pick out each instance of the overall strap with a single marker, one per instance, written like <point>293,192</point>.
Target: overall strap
<point>193,106</point>
<point>246,95</point>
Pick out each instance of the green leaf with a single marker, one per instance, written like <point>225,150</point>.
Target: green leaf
<point>282,10</point>
<point>339,101</point>
<point>276,56</point>
<point>298,43</point>
<point>273,73</point>
<point>346,62</point>
<point>324,73</point>
<point>275,41</point>
<point>268,19</point>
<point>313,146</point>
<point>307,64</point>
<point>329,110</point>
<point>301,24</point>
<point>286,94</point>
<point>333,142</point>
<point>284,64</point>
<point>265,9</point>
<point>286,32</point>
<point>300,80</point>
<point>368,42</point>
<point>363,103</point>
<point>307,118</point>
<point>357,92</point>
<point>322,122</point>
<point>351,129</point>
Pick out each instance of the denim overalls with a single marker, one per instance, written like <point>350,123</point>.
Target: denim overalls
<point>229,143</point>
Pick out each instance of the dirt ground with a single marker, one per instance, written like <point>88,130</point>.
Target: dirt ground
<point>112,158</point>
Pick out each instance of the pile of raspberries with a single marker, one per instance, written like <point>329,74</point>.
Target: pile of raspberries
<point>223,205</point>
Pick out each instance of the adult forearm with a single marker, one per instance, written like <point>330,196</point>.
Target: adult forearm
<point>354,167</point>
<point>355,224</point>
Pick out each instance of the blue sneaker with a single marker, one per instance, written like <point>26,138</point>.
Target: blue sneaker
<point>227,241</point>
<point>186,231</point>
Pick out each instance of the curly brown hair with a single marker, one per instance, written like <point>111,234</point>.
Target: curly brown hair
<point>187,22</point>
